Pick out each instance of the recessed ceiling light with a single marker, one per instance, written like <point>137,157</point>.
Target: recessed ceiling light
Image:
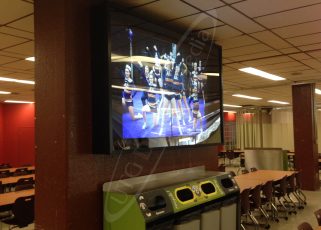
<point>261,73</point>
<point>318,91</point>
<point>279,102</point>
<point>30,59</point>
<point>17,80</point>
<point>247,97</point>
<point>5,92</point>
<point>20,102</point>
<point>212,74</point>
<point>229,111</point>
<point>232,106</point>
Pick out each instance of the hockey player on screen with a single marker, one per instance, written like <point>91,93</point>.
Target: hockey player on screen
<point>127,98</point>
<point>151,106</point>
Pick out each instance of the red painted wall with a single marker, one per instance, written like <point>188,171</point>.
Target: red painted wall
<point>18,131</point>
<point>1,136</point>
<point>228,116</point>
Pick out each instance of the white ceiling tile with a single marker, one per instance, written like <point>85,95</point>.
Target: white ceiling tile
<point>23,76</point>
<point>205,4</point>
<point>20,65</point>
<point>310,47</point>
<point>131,3</point>
<point>166,10</point>
<point>300,29</point>
<point>312,63</point>
<point>8,40</point>
<point>289,50</point>
<point>4,72</point>
<point>223,32</point>
<point>305,40</point>
<point>245,50</point>
<point>271,39</point>
<point>14,9</point>
<point>25,24</point>
<point>296,16</point>
<point>5,59</point>
<point>315,54</point>
<point>242,40</point>
<point>300,56</point>
<point>268,61</point>
<point>25,48</point>
<point>255,56</point>
<point>196,22</point>
<point>231,1</point>
<point>235,19</point>
<point>255,8</point>
<point>17,33</point>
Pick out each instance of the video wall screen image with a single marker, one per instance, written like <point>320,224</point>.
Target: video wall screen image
<point>165,87</point>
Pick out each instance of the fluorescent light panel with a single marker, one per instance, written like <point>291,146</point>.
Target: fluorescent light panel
<point>5,92</point>
<point>20,102</point>
<point>261,73</point>
<point>318,91</point>
<point>229,111</point>
<point>30,59</point>
<point>232,106</point>
<point>279,102</point>
<point>247,97</point>
<point>17,80</point>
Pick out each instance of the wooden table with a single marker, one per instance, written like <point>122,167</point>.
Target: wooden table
<point>14,179</point>
<point>260,177</point>
<point>30,168</point>
<point>247,184</point>
<point>10,197</point>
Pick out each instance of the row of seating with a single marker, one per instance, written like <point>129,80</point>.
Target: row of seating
<point>307,226</point>
<point>5,166</point>
<point>22,184</point>
<point>272,198</point>
<point>17,172</point>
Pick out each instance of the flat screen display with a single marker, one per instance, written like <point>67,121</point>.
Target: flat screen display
<point>165,85</point>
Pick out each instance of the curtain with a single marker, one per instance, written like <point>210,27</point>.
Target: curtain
<point>282,129</point>
<point>318,119</point>
<point>249,129</point>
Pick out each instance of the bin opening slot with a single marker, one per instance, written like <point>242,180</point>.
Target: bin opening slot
<point>227,183</point>
<point>208,188</point>
<point>184,194</point>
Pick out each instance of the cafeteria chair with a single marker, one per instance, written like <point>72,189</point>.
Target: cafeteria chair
<point>298,190</point>
<point>5,173</point>
<point>24,184</point>
<point>279,193</point>
<point>5,166</point>
<point>21,172</point>
<point>267,200</point>
<point>1,187</point>
<point>289,192</point>
<point>230,155</point>
<point>233,173</point>
<point>255,204</point>
<point>305,226</point>
<point>22,213</point>
<point>245,208</point>
<point>318,216</point>
<point>245,171</point>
